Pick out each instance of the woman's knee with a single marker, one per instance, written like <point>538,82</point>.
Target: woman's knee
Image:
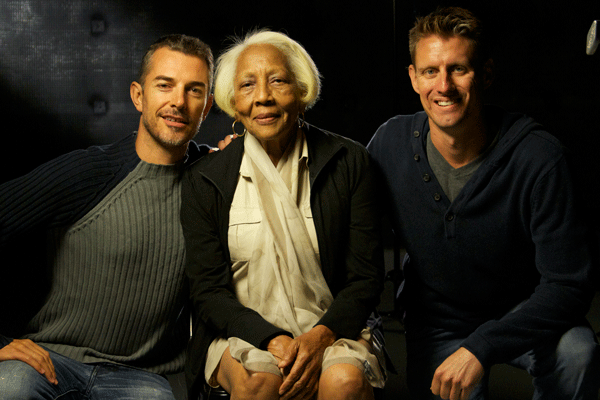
<point>244,384</point>
<point>257,385</point>
<point>344,381</point>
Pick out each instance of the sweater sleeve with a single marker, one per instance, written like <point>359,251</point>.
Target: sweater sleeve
<point>563,259</point>
<point>54,194</point>
<point>60,190</point>
<point>36,198</point>
<point>4,341</point>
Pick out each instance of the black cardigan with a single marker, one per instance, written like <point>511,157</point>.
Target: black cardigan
<point>346,219</point>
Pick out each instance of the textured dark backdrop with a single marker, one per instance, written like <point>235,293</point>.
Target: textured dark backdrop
<point>66,65</point>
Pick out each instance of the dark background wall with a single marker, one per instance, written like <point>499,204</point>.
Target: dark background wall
<point>66,65</point>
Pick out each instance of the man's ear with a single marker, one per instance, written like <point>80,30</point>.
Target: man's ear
<point>207,106</point>
<point>488,73</point>
<point>136,93</point>
<point>412,72</point>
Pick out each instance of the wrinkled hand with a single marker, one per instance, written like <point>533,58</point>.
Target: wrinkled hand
<point>458,375</point>
<point>278,346</point>
<point>30,353</point>
<point>302,363</point>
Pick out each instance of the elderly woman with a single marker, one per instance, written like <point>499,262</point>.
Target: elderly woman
<point>281,233</point>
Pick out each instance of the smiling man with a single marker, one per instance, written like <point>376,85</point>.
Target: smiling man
<point>450,84</point>
<point>173,101</point>
<point>115,320</point>
<point>498,266</point>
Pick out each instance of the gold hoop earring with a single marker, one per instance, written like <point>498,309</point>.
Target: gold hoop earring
<point>233,129</point>
<point>301,120</point>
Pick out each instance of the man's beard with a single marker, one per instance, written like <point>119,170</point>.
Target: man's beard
<point>175,139</point>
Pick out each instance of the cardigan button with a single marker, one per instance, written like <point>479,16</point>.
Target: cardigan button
<point>449,217</point>
<point>417,133</point>
<point>437,197</point>
<point>417,157</point>
<point>426,177</point>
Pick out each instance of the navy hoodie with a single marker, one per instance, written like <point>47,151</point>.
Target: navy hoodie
<point>513,235</point>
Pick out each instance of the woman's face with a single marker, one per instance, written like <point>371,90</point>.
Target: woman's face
<point>266,97</point>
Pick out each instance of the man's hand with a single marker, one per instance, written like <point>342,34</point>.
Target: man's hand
<point>302,361</point>
<point>458,375</point>
<point>30,353</point>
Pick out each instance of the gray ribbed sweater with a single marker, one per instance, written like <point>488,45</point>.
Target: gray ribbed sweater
<point>118,282</point>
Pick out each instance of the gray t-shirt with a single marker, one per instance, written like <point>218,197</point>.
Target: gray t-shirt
<point>451,179</point>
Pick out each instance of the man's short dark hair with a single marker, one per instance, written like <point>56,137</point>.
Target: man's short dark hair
<point>188,45</point>
<point>447,22</point>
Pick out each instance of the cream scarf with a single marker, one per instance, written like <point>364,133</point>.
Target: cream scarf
<point>285,282</point>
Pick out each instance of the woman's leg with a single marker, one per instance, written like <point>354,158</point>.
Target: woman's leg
<point>243,384</point>
<point>344,381</point>
<point>347,365</point>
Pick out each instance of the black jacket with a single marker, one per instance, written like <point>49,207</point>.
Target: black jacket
<point>347,223</point>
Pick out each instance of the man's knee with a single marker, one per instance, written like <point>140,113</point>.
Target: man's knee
<point>578,349</point>
<point>571,368</point>
<point>19,381</point>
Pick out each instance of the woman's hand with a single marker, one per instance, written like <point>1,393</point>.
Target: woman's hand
<point>278,346</point>
<point>301,363</point>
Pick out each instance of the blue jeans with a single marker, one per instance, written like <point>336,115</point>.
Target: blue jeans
<point>565,369</point>
<point>77,380</point>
